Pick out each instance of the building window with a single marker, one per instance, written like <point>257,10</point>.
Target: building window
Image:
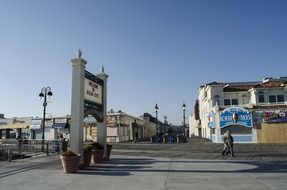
<point>216,100</point>
<point>280,98</point>
<point>234,102</point>
<point>261,97</point>
<point>272,98</point>
<point>244,99</point>
<point>227,102</point>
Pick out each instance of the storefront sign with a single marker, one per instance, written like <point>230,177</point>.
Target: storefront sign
<point>35,124</point>
<point>235,116</point>
<point>272,116</point>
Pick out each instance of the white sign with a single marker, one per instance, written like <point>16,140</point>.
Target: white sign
<point>60,120</point>
<point>93,91</point>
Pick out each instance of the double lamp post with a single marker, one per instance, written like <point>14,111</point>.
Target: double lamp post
<point>46,91</point>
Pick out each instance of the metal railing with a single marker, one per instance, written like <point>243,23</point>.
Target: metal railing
<point>18,149</point>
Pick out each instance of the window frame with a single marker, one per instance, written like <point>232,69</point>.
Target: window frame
<point>230,101</point>
<point>277,98</point>
<point>274,98</point>
<point>261,95</point>
<point>225,101</point>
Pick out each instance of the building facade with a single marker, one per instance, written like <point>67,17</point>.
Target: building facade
<point>254,112</point>
<point>31,128</point>
<point>123,127</point>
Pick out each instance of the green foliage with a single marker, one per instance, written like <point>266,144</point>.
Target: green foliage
<point>98,146</point>
<point>69,153</point>
<point>88,147</point>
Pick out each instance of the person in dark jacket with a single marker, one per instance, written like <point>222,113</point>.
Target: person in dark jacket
<point>137,138</point>
<point>228,144</point>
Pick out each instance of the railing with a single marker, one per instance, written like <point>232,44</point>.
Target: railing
<point>19,149</point>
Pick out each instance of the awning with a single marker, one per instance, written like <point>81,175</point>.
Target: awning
<point>60,125</point>
<point>15,126</point>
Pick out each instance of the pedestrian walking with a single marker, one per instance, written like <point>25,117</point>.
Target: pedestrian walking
<point>137,138</point>
<point>228,144</point>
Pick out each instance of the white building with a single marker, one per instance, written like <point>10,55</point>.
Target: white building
<point>219,103</point>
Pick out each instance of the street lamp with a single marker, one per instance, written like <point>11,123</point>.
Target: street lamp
<point>156,110</point>
<point>183,109</point>
<point>46,91</point>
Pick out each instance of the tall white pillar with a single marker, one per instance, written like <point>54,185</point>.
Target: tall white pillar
<point>217,124</point>
<point>77,105</point>
<point>102,127</point>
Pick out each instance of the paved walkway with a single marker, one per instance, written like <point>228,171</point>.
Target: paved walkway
<point>142,173</point>
<point>196,165</point>
<point>198,148</point>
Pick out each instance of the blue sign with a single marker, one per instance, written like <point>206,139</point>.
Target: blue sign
<point>235,116</point>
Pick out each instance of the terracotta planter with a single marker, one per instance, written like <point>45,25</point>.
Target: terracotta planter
<point>97,156</point>
<point>109,150</point>
<point>70,163</point>
<point>87,158</point>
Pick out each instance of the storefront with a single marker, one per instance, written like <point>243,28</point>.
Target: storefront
<point>271,125</point>
<point>236,120</point>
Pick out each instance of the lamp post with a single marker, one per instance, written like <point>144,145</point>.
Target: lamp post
<point>183,109</point>
<point>156,110</point>
<point>46,91</point>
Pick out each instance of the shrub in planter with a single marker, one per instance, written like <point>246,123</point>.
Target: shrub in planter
<point>109,150</point>
<point>70,161</point>
<point>98,152</point>
<point>87,154</point>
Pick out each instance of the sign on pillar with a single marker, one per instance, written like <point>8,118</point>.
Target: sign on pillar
<point>89,98</point>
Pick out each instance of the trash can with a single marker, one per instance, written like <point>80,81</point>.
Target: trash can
<point>171,139</point>
<point>159,139</point>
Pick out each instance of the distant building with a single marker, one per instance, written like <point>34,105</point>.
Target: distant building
<point>253,111</point>
<point>1,116</point>
<point>122,127</point>
<point>31,128</point>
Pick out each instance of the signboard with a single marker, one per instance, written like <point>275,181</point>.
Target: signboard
<point>93,97</point>
<point>35,123</point>
<point>235,116</point>
<point>93,89</point>
<point>48,123</point>
<point>270,116</point>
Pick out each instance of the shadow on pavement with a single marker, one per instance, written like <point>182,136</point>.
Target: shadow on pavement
<point>141,165</point>
<point>104,173</point>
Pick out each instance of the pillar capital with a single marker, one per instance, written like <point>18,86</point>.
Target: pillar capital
<point>78,61</point>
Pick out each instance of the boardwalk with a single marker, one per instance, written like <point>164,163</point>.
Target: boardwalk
<point>198,148</point>
<point>196,165</point>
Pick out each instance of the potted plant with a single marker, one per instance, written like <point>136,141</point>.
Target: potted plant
<point>87,154</point>
<point>98,152</point>
<point>109,150</point>
<point>70,161</point>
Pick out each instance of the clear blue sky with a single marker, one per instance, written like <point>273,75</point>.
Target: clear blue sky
<point>154,51</point>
